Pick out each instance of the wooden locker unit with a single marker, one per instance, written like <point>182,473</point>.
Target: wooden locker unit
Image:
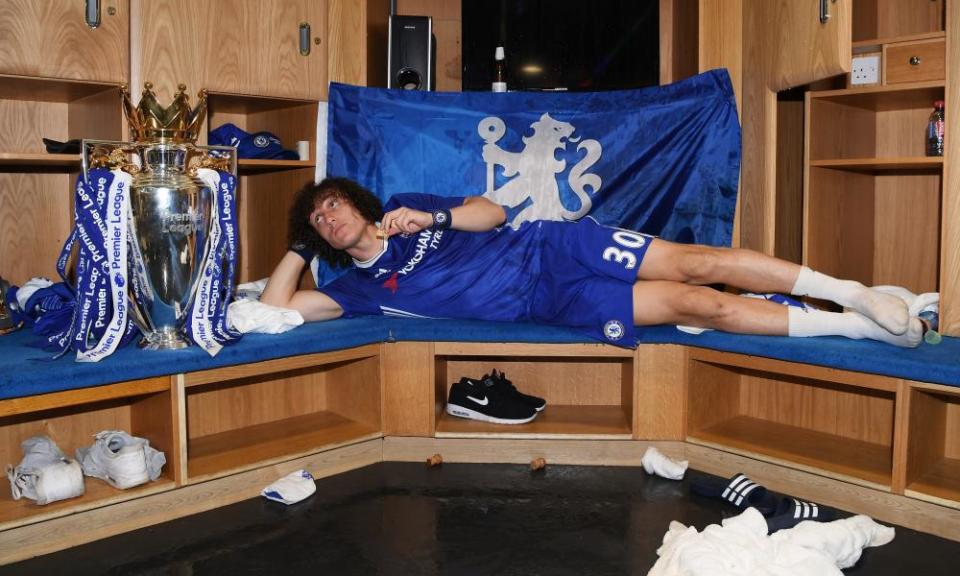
<point>837,423</point>
<point>933,444</point>
<point>873,200</point>
<point>588,388</point>
<point>52,39</point>
<point>248,416</point>
<point>71,419</point>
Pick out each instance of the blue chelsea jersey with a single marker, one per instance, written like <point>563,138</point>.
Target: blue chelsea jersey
<point>445,273</point>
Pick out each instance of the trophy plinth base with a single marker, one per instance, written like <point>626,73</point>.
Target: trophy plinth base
<point>164,341</point>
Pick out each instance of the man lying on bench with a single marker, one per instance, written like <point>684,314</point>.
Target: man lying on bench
<point>440,257</point>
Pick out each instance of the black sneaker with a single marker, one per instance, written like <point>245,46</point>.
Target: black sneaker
<point>500,379</point>
<point>488,402</point>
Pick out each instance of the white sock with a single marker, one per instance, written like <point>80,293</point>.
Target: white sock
<point>854,325</point>
<point>886,310</point>
<point>654,462</point>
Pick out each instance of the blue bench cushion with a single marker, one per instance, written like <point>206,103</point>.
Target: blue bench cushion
<point>27,371</point>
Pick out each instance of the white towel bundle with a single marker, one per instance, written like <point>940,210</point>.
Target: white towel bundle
<point>292,488</point>
<point>249,315</point>
<point>655,462</point>
<point>45,474</point>
<point>741,547</point>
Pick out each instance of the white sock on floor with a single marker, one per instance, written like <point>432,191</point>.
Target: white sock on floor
<point>655,462</point>
<point>854,325</point>
<point>886,310</point>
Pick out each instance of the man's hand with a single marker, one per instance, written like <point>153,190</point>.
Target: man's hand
<point>405,221</point>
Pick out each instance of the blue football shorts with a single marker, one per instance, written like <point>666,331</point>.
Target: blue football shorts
<point>587,277</point>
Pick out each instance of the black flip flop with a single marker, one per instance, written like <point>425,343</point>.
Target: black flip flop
<point>739,491</point>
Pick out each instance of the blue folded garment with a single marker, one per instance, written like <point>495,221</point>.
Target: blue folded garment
<point>260,145</point>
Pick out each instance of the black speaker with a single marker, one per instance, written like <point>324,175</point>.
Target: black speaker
<point>411,53</point>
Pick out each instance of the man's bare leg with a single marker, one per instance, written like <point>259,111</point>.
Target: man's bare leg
<point>666,302</point>
<point>758,272</point>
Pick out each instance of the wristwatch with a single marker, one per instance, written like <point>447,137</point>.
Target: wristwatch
<point>441,219</point>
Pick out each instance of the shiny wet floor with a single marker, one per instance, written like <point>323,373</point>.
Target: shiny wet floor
<point>457,519</point>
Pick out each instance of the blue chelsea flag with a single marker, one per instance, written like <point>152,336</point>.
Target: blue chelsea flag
<point>662,160</point>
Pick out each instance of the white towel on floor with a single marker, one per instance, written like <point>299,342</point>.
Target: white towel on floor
<point>655,462</point>
<point>252,316</point>
<point>741,547</point>
<point>292,488</point>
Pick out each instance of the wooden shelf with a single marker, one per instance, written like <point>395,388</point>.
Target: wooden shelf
<point>39,161</point>
<point>255,446</point>
<point>862,45</point>
<point>555,422</point>
<point>246,104</point>
<point>50,89</point>
<point>252,166</point>
<point>941,484</point>
<point>98,493</point>
<point>848,459</point>
<point>874,165</point>
<point>888,97</point>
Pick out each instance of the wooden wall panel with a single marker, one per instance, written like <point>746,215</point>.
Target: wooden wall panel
<point>820,406</point>
<point>36,216</point>
<point>51,39</point>
<point>408,388</point>
<point>905,236</point>
<point>660,373</point>
<point>264,201</point>
<point>70,428</point>
<point>951,448</point>
<point>905,17</point>
<point>788,238</point>
<point>950,215</point>
<point>713,395</point>
<point>925,441</point>
<point>353,390</point>
<point>249,401</point>
<point>559,381</point>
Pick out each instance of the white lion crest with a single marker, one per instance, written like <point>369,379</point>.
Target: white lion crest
<point>534,194</point>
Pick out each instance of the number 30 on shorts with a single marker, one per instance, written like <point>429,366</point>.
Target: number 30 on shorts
<point>629,240</point>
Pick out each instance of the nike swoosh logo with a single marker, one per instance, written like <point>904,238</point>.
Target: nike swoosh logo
<point>483,402</point>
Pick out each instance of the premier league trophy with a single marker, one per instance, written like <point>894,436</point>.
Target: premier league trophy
<point>169,221</point>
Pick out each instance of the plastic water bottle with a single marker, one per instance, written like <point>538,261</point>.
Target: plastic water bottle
<point>499,72</point>
<point>931,323</point>
<point>935,130</point>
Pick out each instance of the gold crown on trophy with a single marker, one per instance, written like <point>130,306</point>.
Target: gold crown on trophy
<point>151,122</point>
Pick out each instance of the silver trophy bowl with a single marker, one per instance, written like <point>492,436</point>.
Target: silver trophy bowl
<point>168,229</point>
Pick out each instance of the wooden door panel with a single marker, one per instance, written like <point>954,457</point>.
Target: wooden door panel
<point>240,47</point>
<point>804,49</point>
<point>51,39</point>
<point>784,46</point>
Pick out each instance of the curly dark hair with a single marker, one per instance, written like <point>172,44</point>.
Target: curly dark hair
<point>301,233</point>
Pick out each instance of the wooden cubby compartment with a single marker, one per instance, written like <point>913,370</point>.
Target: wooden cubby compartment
<point>881,20</point>
<point>253,415</point>
<point>588,396</point>
<point>267,187</point>
<point>876,228</point>
<point>933,445</point>
<point>872,128</point>
<point>36,187</point>
<point>835,423</point>
<point>71,419</point>
<point>873,199</point>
